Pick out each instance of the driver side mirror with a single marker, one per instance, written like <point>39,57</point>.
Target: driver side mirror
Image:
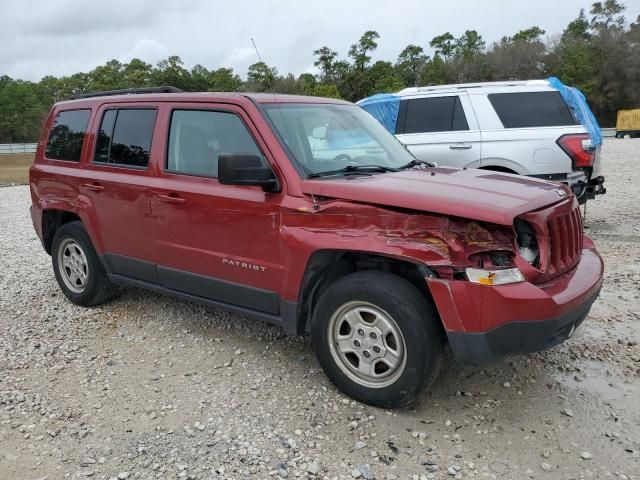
<point>246,169</point>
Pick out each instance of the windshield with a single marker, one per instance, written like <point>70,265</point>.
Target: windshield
<point>326,137</point>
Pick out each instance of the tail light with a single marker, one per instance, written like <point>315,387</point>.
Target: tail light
<point>579,148</point>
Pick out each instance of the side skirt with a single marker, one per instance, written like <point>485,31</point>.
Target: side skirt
<point>288,319</point>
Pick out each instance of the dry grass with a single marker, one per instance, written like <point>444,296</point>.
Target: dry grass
<point>14,168</point>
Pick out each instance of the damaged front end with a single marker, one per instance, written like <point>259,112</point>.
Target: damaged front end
<point>451,247</point>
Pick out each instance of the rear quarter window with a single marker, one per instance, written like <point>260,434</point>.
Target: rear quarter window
<point>67,135</point>
<point>531,109</point>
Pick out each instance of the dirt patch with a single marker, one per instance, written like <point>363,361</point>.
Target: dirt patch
<point>14,168</point>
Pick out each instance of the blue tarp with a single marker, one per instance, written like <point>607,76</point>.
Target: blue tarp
<point>384,108</point>
<point>578,104</point>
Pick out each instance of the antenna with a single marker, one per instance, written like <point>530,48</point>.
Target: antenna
<point>256,49</point>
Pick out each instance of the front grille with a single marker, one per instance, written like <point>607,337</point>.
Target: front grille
<point>565,241</point>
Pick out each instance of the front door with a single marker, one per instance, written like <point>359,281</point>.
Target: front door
<point>221,242</point>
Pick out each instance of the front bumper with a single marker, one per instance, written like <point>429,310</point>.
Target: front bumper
<point>484,322</point>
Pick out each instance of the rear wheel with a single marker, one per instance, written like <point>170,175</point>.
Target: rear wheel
<point>377,338</point>
<point>77,268</point>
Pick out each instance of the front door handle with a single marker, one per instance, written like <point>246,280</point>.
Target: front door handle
<point>460,146</point>
<point>172,198</point>
<point>94,187</point>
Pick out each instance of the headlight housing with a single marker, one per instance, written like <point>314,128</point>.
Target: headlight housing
<point>494,277</point>
<point>527,242</point>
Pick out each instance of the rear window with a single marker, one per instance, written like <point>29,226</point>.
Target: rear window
<point>67,135</point>
<point>436,114</point>
<point>124,137</point>
<point>531,109</point>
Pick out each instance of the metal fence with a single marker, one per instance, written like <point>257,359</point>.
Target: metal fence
<point>8,148</point>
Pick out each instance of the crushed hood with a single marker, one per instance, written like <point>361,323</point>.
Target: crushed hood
<point>474,194</point>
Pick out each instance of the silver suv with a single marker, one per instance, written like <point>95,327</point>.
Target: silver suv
<point>522,127</point>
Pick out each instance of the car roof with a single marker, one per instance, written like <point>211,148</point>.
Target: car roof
<point>197,97</point>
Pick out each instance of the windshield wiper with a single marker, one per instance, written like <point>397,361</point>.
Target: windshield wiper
<point>416,163</point>
<point>353,170</point>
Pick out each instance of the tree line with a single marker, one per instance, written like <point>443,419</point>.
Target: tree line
<point>597,52</point>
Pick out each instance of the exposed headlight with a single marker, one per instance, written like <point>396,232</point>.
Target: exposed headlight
<point>527,242</point>
<point>494,277</point>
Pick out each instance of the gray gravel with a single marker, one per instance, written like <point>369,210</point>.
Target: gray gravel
<point>151,387</point>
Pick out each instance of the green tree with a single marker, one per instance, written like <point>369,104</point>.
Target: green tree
<point>360,51</point>
<point>578,28</point>
<point>607,14</point>
<point>200,78</point>
<point>521,56</point>
<point>410,63</point>
<point>325,61</point>
<point>444,45</point>
<point>262,77</point>
<point>434,72</point>
<point>171,71</point>
<point>470,44</point>
<point>325,90</point>
<point>137,73</point>
<point>306,84</point>
<point>224,80</point>
<point>381,77</point>
<point>528,35</point>
<point>107,77</point>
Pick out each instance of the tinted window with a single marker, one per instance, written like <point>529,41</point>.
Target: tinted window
<point>531,109</point>
<point>439,114</point>
<point>124,137</point>
<point>67,135</point>
<point>197,138</point>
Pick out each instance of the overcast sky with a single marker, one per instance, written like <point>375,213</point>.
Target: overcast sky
<point>60,37</point>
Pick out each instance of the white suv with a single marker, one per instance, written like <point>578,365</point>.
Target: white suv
<point>522,127</point>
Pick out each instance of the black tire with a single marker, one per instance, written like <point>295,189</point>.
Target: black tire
<point>412,314</point>
<point>97,288</point>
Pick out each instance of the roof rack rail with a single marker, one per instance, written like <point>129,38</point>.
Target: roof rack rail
<point>128,91</point>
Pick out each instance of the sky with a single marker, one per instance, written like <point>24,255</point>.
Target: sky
<point>62,37</point>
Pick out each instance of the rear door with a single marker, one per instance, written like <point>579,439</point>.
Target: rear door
<point>117,185</point>
<point>440,129</point>
<point>520,130</point>
<point>221,242</point>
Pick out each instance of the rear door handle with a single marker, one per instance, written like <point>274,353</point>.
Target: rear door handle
<point>172,198</point>
<point>94,187</point>
<point>460,146</point>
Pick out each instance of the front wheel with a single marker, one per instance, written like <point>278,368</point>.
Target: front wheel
<point>377,338</point>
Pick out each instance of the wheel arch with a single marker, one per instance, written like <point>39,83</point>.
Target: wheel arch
<point>499,168</point>
<point>326,266</point>
<point>52,220</point>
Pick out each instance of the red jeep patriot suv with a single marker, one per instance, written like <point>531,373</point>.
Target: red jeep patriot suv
<point>305,212</point>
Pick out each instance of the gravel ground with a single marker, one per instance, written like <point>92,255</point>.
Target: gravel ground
<point>151,387</point>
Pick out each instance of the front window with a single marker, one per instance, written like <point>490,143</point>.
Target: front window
<point>328,137</point>
<point>198,137</point>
